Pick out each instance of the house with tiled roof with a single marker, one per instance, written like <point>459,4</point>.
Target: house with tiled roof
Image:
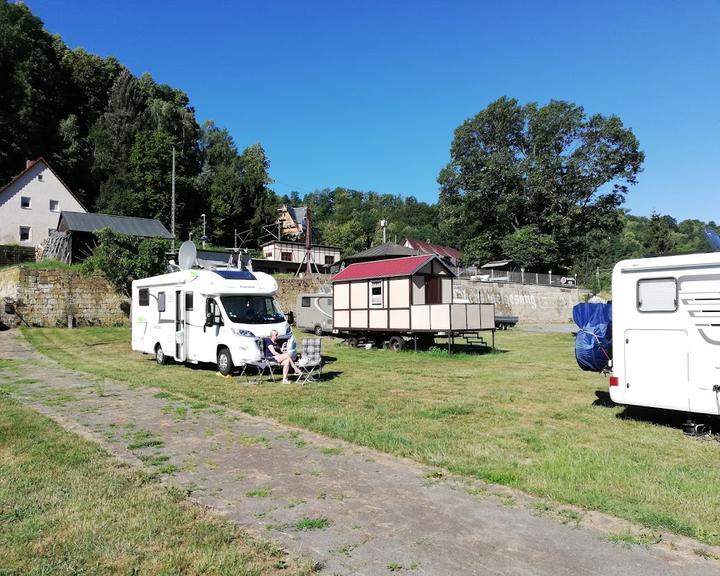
<point>449,255</point>
<point>30,204</point>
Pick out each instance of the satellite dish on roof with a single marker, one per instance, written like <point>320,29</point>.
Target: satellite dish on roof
<point>187,257</point>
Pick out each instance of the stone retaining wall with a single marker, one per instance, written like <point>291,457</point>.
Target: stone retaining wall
<point>531,303</point>
<point>47,297</point>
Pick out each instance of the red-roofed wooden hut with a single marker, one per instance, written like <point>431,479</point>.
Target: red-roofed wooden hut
<point>403,297</point>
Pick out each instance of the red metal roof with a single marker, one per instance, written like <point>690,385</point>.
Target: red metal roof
<point>429,248</point>
<point>383,268</point>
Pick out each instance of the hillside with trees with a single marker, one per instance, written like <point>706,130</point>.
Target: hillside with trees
<point>541,184</point>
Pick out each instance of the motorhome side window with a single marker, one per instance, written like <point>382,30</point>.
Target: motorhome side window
<point>376,298</point>
<point>161,301</point>
<point>188,300</point>
<point>144,297</point>
<point>657,295</point>
<point>305,302</point>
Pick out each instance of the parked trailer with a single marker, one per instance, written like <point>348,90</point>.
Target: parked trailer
<point>219,316</point>
<point>314,312</point>
<point>402,298</point>
<point>666,333</point>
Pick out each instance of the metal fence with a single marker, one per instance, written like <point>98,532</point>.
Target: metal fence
<point>515,277</point>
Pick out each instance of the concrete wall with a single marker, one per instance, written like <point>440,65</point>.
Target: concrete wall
<point>46,297</point>
<point>531,303</point>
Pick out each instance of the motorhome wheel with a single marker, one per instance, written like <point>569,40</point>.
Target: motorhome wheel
<point>160,357</point>
<point>224,362</point>
<point>318,330</point>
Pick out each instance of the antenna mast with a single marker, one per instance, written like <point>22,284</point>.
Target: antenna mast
<point>172,212</point>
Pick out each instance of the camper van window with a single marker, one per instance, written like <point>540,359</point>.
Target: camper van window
<point>657,295</point>
<point>161,301</point>
<point>305,302</point>
<point>188,300</point>
<point>252,309</point>
<point>376,298</point>
<point>144,297</point>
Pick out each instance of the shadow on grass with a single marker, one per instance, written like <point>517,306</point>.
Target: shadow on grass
<point>668,418</point>
<point>603,399</point>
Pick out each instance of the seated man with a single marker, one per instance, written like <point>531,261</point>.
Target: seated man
<point>281,357</point>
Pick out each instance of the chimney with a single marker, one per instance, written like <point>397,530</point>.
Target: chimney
<point>29,163</point>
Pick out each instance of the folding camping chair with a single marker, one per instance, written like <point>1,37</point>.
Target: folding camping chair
<point>266,364</point>
<point>310,362</point>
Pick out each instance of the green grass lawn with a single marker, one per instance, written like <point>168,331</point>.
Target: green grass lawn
<point>523,417</point>
<point>66,507</point>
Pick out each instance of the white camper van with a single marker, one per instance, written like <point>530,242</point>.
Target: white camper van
<point>218,315</point>
<point>666,333</point>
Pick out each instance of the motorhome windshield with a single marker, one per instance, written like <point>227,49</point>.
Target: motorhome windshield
<point>252,309</point>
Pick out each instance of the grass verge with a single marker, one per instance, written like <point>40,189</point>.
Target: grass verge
<point>525,417</point>
<point>66,507</point>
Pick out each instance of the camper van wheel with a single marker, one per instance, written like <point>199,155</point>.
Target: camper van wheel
<point>318,330</point>
<point>224,362</point>
<point>396,344</point>
<point>160,357</point>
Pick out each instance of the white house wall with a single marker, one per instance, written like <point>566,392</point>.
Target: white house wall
<point>418,289</point>
<point>399,293</point>
<point>38,217</point>
<point>275,250</point>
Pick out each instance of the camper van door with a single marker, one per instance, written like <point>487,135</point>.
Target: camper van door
<point>180,343</point>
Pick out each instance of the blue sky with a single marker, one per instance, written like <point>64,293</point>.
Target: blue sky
<point>367,94</point>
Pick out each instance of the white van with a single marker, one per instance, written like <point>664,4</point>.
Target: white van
<point>666,333</point>
<point>219,316</point>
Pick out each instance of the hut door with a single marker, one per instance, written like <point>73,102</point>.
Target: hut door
<point>433,290</point>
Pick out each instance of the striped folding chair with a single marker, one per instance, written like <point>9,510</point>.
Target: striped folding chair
<point>310,362</point>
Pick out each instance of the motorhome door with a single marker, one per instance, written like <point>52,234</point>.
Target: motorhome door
<point>179,327</point>
<point>656,368</point>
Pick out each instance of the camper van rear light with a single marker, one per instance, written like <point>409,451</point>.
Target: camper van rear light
<point>614,381</point>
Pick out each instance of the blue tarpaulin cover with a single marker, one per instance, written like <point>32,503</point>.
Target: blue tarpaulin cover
<point>593,343</point>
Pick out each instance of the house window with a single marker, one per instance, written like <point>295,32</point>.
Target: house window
<point>40,177</point>
<point>286,256</point>
<point>376,296</point>
<point>144,297</point>
<point>329,260</point>
<point>161,301</point>
<point>305,302</point>
<point>25,233</point>
<point>189,300</point>
<point>25,202</point>
<point>657,295</point>
<point>54,206</point>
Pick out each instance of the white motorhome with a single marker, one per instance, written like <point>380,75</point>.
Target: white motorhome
<point>314,312</point>
<point>666,333</point>
<point>219,316</point>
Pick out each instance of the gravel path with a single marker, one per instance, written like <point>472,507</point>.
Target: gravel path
<point>352,510</point>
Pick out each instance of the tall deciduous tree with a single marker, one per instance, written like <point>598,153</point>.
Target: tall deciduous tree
<point>551,167</point>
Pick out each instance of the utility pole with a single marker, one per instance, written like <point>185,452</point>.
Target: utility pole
<point>172,213</point>
<point>308,240</point>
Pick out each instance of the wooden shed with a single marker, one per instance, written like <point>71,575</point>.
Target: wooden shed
<point>404,296</point>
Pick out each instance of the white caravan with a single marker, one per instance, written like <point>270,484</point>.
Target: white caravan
<point>218,316</point>
<point>666,333</point>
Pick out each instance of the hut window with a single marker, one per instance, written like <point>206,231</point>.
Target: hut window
<point>376,295</point>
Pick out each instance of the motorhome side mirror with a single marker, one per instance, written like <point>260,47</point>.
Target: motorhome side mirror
<point>290,317</point>
<point>209,320</point>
